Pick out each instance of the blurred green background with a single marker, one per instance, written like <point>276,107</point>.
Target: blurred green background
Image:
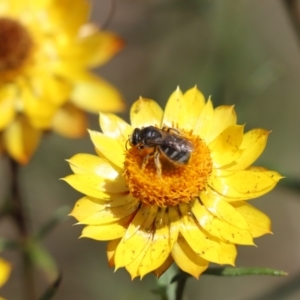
<point>240,52</point>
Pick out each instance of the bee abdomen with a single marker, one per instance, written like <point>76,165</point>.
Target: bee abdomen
<point>180,157</point>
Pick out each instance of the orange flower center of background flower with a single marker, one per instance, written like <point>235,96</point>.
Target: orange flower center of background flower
<point>15,47</point>
<point>178,183</point>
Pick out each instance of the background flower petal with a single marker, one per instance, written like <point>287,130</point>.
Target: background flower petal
<point>21,140</point>
<point>93,49</point>
<point>7,105</point>
<point>5,270</point>
<point>94,94</point>
<point>69,14</point>
<point>69,121</point>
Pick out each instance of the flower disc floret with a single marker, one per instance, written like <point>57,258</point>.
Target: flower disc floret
<point>15,47</point>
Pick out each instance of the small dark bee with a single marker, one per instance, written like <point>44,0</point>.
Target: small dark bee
<point>166,141</point>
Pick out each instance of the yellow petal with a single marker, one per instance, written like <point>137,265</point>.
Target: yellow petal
<point>224,149</point>
<point>227,253</point>
<point>69,14</point>
<point>5,270</point>
<point>174,220</point>
<point>95,48</point>
<point>192,106</point>
<point>13,7</point>
<point>106,232</point>
<point>219,207</point>
<point>134,266</point>
<point>246,184</point>
<point>70,122</point>
<point>7,102</point>
<point>203,244</point>
<point>204,124</point>
<point>50,88</point>
<point>108,147</point>
<point>259,222</point>
<point>21,140</point>
<point>253,144</point>
<point>159,249</point>
<point>114,127</point>
<point>173,109</point>
<point>196,238</point>
<point>95,186</point>
<point>184,110</point>
<point>164,267</point>
<point>224,116</point>
<point>218,228</point>
<point>110,250</point>
<point>137,237</point>
<point>94,94</point>
<point>187,260</point>
<point>39,110</point>
<point>92,164</point>
<point>145,112</point>
<point>90,212</point>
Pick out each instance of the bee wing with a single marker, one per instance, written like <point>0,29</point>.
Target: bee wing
<point>178,143</point>
<point>157,141</point>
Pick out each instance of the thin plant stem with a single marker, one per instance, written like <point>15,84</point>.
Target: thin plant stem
<point>180,288</point>
<point>293,9</point>
<point>18,212</point>
<point>110,14</point>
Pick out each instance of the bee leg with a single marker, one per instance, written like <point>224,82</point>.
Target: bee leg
<point>145,161</point>
<point>157,163</point>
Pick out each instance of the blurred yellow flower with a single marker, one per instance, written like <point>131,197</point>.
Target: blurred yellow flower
<point>5,270</point>
<point>182,200</point>
<point>46,49</point>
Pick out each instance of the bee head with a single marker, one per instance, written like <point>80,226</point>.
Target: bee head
<point>135,138</point>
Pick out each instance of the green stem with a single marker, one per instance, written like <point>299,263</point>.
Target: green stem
<point>18,214</point>
<point>180,288</point>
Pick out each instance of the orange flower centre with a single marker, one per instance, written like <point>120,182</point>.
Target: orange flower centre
<point>178,183</point>
<point>15,47</point>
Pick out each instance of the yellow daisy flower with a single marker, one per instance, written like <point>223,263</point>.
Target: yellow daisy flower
<point>46,49</point>
<point>5,270</point>
<point>176,189</point>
